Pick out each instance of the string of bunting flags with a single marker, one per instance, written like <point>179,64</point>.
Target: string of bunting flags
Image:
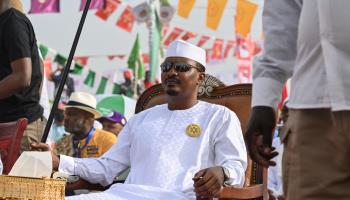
<point>105,8</point>
<point>81,71</point>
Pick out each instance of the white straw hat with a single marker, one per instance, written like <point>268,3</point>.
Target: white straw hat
<point>83,101</point>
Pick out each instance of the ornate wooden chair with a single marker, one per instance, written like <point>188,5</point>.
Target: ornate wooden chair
<point>238,99</point>
<point>11,134</point>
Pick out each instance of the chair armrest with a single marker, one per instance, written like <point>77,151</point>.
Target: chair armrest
<point>249,192</point>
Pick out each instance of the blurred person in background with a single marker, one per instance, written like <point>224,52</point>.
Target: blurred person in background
<point>309,42</point>
<point>114,122</point>
<point>84,140</point>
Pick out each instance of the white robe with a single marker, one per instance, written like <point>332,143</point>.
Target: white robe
<point>163,158</point>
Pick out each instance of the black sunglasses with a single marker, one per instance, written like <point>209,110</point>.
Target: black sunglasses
<point>179,67</point>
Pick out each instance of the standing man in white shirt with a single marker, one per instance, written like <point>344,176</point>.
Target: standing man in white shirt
<point>175,151</point>
<point>310,42</point>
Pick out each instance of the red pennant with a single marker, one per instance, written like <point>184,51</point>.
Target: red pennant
<point>207,55</point>
<point>145,58</point>
<point>111,6</point>
<point>188,35</point>
<point>173,35</point>
<point>217,49</point>
<point>47,65</point>
<point>111,57</point>
<point>203,40</point>
<point>165,29</point>
<point>81,60</point>
<point>126,19</point>
<point>244,70</point>
<point>228,47</point>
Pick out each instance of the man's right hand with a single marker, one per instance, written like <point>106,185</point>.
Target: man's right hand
<point>46,147</point>
<point>261,124</point>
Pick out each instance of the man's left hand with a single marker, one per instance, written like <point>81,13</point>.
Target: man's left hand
<point>208,182</point>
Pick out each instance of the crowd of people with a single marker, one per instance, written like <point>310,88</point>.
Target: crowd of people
<point>191,149</point>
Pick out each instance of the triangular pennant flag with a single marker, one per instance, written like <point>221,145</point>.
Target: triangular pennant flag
<point>203,40</point>
<point>135,60</point>
<point>188,35</point>
<point>145,58</point>
<point>207,55</point>
<point>184,7</point>
<point>217,49</point>
<point>44,6</point>
<point>228,47</point>
<point>120,56</point>
<point>215,9</point>
<point>60,59</point>
<point>111,6</point>
<point>78,69</point>
<point>47,65</point>
<point>126,19</point>
<point>95,4</point>
<point>245,14</point>
<point>82,60</point>
<point>44,50</point>
<point>117,88</point>
<point>173,35</point>
<point>90,79</point>
<point>102,86</point>
<point>165,29</point>
<point>111,57</point>
<point>244,70</point>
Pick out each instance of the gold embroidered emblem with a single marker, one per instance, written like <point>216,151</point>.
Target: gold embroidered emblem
<point>193,130</point>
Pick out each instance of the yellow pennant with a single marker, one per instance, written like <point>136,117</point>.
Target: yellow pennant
<point>244,17</point>
<point>215,9</point>
<point>184,7</point>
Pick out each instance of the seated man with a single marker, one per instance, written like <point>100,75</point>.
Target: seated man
<point>114,122</point>
<point>84,140</point>
<point>177,151</point>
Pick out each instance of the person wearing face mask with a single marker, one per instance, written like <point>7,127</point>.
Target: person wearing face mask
<point>84,140</point>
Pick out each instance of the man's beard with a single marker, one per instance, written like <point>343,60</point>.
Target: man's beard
<point>78,128</point>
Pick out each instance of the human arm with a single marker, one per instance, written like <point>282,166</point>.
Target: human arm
<point>17,45</point>
<point>19,79</point>
<point>270,71</point>
<point>100,170</point>
<point>104,169</point>
<point>230,153</point>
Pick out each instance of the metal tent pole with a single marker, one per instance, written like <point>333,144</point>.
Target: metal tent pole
<point>65,72</point>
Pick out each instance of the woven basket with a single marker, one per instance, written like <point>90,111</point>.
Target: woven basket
<point>16,187</point>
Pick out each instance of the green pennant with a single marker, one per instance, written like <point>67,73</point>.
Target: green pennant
<point>60,59</point>
<point>90,79</point>
<point>164,2</point>
<point>102,86</point>
<point>116,88</point>
<point>135,59</point>
<point>44,50</point>
<point>78,69</point>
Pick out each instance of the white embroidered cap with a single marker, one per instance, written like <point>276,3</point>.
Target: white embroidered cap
<point>180,48</point>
